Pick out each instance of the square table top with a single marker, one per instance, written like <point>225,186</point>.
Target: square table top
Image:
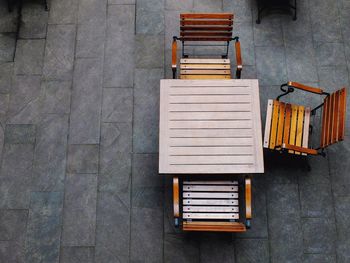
<point>210,127</point>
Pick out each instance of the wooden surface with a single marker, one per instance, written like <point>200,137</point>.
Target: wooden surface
<point>210,126</point>
<point>287,124</point>
<point>205,68</point>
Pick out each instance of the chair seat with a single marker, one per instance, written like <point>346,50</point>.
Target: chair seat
<point>214,226</point>
<point>197,68</point>
<point>286,124</point>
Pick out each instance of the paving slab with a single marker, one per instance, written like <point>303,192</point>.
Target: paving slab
<point>34,21</point>
<point>6,71</point>
<point>79,202</point>
<point>83,159</point>
<point>63,11</point>
<point>252,250</point>
<point>13,224</point>
<point>117,105</point>
<point>57,96</point>
<point>7,46</point>
<point>90,40</point>
<point>29,56</point>
<point>77,254</point>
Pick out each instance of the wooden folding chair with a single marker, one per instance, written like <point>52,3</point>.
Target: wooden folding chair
<point>215,29</point>
<point>212,205</point>
<point>288,125</point>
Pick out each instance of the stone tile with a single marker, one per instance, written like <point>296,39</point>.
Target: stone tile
<point>63,11</point>
<point>182,248</point>
<point>117,105</point>
<point>113,228</point>
<point>44,227</point>
<point>116,138</point>
<point>301,60</point>
<point>11,251</point>
<point>26,91</point>
<point>319,173</point>
<point>147,190</point>
<point>215,247</point>
<point>207,6</point>
<point>325,21</point>
<point>50,154</point>
<point>285,227</point>
<point>57,96</point>
<point>172,28</point>
<point>90,40</point>
<point>150,17</point>
<point>59,52</point>
<point>8,19</point>
<point>319,235</point>
<point>29,56</point>
<point>248,72</point>
<point>146,225</point>
<point>330,54</point>
<point>269,33</point>
<point>252,250</point>
<point>6,71</point>
<point>319,258</point>
<point>92,12</point>
<point>86,102</point>
<point>146,108</point>
<point>7,46</point>
<point>271,65</point>
<point>149,51</point>
<point>342,214</point>
<point>15,179</point>
<point>119,53</point>
<point>283,198</point>
<point>179,5</point>
<point>242,10</point>
<point>115,173</point>
<point>77,254</point>
<point>13,224</point>
<point>333,78</point>
<point>83,159</point>
<point>316,200</point>
<point>34,21</point>
<point>80,202</point>
<point>20,134</point>
<point>2,139</point>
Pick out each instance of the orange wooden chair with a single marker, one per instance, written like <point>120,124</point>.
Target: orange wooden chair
<point>288,125</point>
<point>214,30</point>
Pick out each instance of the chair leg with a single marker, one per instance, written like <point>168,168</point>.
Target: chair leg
<point>9,6</point>
<point>295,10</point>
<point>46,5</point>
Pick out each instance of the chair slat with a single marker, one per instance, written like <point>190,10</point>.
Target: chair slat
<point>293,126</point>
<point>206,28</point>
<point>210,182</point>
<point>268,123</point>
<point>299,132</point>
<point>210,188</point>
<point>210,215</point>
<point>225,39</point>
<point>210,201</point>
<point>330,118</point>
<point>192,22</point>
<point>335,126</point>
<point>205,77</point>
<point>274,124</point>
<point>287,121</point>
<point>209,195</point>
<point>280,124</point>
<point>205,66</point>
<point>204,72</point>
<point>207,16</point>
<point>342,111</point>
<point>221,209</point>
<point>305,143</point>
<point>324,121</point>
<point>204,61</point>
<point>205,34</point>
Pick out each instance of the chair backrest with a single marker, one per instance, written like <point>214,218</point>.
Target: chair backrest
<point>333,118</point>
<point>206,27</point>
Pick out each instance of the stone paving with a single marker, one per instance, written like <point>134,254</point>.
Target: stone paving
<point>79,97</point>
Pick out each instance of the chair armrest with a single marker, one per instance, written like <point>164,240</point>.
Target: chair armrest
<point>176,197</point>
<point>305,87</point>
<point>300,149</point>
<point>238,58</point>
<point>174,57</point>
<point>248,198</point>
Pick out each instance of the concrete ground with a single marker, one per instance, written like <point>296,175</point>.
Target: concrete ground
<point>79,96</point>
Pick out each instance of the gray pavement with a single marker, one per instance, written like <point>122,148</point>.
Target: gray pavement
<point>79,97</point>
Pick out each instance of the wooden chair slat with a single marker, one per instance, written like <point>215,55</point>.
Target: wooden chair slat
<point>192,22</point>
<point>205,34</point>
<point>210,201</point>
<point>268,123</point>
<point>335,124</point>
<point>210,182</point>
<point>214,226</point>
<point>204,61</point>
<point>324,121</point>
<point>207,16</point>
<point>210,188</point>
<point>293,126</point>
<point>299,132</point>
<point>206,28</point>
<point>305,143</point>
<point>225,39</point>
<point>220,209</point>
<point>280,124</point>
<point>287,121</point>
<point>274,124</point>
<point>342,111</point>
<point>176,197</point>
<point>210,215</point>
<point>330,119</point>
<point>205,72</point>
<point>205,66</point>
<point>205,77</point>
<point>209,195</point>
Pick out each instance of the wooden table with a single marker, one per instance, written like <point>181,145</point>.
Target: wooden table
<point>210,127</point>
